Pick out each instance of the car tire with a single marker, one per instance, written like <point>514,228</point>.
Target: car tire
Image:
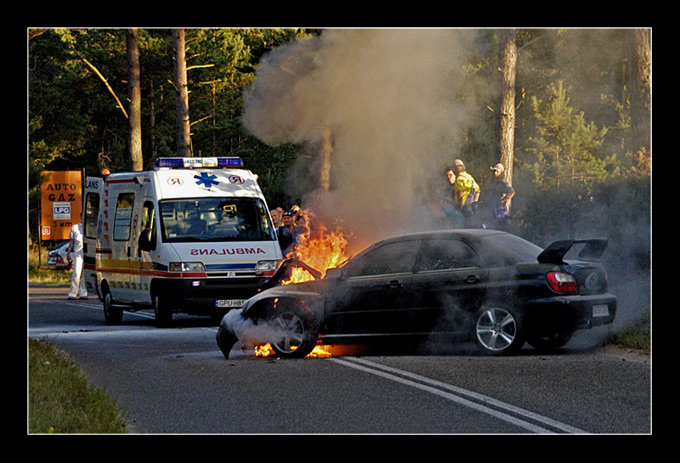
<point>551,342</point>
<point>112,314</point>
<point>296,329</point>
<point>498,330</point>
<point>162,311</point>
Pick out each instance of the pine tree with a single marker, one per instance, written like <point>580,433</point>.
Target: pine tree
<point>567,148</point>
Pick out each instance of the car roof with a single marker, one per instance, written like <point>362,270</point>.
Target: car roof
<point>475,237</point>
<point>462,233</point>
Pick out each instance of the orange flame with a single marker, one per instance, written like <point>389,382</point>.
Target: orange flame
<point>265,350</point>
<point>319,247</point>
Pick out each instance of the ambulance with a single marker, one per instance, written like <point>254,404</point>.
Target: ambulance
<point>193,235</point>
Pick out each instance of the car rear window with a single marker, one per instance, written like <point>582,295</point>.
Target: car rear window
<point>513,248</point>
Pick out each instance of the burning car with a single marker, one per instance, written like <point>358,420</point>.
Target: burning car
<point>488,286</point>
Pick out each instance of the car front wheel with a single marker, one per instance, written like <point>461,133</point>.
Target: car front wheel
<point>499,331</point>
<point>294,334</point>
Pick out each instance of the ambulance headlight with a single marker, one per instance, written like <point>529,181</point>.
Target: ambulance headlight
<point>266,265</point>
<point>186,267</point>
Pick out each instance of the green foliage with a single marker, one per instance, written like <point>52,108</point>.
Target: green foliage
<point>573,111</point>
<point>566,147</point>
<point>75,123</point>
<point>60,400</point>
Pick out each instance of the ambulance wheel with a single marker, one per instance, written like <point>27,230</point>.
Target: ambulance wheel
<point>162,311</point>
<point>113,315</point>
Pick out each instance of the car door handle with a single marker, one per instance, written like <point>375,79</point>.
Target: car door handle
<point>394,284</point>
<point>472,279</point>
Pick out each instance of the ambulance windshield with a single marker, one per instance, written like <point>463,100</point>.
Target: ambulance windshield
<point>215,219</point>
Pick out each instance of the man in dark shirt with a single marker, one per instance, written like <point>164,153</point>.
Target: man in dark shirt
<point>499,196</point>
<point>288,234</point>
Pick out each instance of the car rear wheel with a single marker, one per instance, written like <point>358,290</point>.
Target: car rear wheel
<point>499,331</point>
<point>295,334</point>
<point>550,342</point>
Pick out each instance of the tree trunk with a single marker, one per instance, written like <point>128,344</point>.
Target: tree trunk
<point>181,94</point>
<point>640,101</point>
<point>135,101</point>
<point>508,62</point>
<point>325,161</point>
<point>152,121</point>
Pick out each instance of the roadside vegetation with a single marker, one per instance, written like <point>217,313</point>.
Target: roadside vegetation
<point>637,337</point>
<point>60,399</point>
<point>38,274</point>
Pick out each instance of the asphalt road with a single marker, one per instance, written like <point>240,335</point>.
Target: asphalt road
<point>175,380</point>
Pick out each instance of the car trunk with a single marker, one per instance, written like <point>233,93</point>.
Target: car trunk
<point>590,276</point>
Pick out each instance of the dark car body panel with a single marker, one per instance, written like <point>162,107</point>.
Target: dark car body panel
<point>422,290</point>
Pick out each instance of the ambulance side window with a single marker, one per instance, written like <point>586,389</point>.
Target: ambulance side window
<point>149,221</point>
<point>123,217</point>
<point>91,214</point>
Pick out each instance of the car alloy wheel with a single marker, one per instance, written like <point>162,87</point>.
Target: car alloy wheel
<point>294,336</point>
<point>290,332</point>
<point>498,331</point>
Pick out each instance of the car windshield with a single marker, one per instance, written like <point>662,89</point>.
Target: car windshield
<point>215,219</point>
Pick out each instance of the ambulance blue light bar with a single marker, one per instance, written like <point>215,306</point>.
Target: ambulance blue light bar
<point>198,163</point>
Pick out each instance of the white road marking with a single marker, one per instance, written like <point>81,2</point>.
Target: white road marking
<point>439,388</point>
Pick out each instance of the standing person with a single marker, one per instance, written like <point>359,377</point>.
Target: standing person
<point>276,217</point>
<point>501,192</point>
<point>465,189</point>
<point>288,234</point>
<point>452,212</point>
<point>75,249</point>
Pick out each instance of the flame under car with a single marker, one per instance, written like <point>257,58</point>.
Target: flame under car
<point>491,287</point>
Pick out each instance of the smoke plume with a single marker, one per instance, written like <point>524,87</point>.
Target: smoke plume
<point>395,106</point>
<point>388,102</point>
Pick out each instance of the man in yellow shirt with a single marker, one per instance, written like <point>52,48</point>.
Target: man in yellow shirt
<point>465,189</point>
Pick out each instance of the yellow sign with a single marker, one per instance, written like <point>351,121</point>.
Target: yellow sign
<point>61,203</point>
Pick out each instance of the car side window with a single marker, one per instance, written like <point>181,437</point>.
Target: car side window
<point>390,258</point>
<point>446,255</point>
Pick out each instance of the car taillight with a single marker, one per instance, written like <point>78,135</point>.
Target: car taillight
<point>561,282</point>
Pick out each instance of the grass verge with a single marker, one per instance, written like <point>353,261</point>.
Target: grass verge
<point>637,337</point>
<point>61,401</point>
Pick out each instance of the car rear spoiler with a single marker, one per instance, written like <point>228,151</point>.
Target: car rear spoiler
<point>555,252</point>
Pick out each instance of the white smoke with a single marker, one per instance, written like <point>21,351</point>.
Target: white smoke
<point>252,334</point>
<point>391,100</point>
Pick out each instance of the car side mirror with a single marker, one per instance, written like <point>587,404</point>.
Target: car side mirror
<point>333,274</point>
<point>146,240</point>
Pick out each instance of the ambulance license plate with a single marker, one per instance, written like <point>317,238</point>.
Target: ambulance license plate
<point>229,303</point>
<point>601,310</point>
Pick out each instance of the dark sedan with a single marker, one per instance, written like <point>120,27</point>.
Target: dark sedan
<point>488,286</point>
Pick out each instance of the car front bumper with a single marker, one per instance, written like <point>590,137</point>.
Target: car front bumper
<point>205,295</point>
